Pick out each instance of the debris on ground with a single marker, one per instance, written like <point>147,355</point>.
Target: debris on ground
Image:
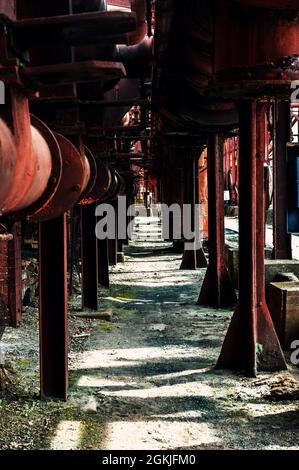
<point>286,388</point>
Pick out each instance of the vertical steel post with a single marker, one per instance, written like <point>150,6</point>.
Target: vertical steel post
<point>201,260</point>
<point>113,242</point>
<point>89,257</point>
<point>251,338</point>
<point>53,308</point>
<point>282,246</point>
<point>103,262</point>
<point>217,289</point>
<point>15,275</point>
<point>189,260</point>
<point>269,355</point>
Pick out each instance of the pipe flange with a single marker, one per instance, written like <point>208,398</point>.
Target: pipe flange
<point>86,196</point>
<point>54,180</point>
<point>70,184</point>
<point>103,182</point>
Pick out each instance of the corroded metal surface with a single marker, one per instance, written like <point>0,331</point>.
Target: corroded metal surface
<point>251,343</point>
<point>256,44</point>
<point>70,185</point>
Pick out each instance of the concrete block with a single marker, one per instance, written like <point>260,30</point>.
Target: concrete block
<point>272,266</point>
<point>284,309</point>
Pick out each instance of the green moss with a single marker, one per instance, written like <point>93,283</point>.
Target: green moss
<point>106,326</point>
<point>125,312</point>
<point>125,295</point>
<point>92,434</point>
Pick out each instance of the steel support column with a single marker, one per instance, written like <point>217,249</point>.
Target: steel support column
<point>282,246</point>
<point>251,342</point>
<point>113,242</point>
<point>53,308</point>
<point>201,260</point>
<point>192,258</point>
<point>189,260</point>
<point>15,275</point>
<point>103,263</point>
<point>89,257</point>
<point>217,289</point>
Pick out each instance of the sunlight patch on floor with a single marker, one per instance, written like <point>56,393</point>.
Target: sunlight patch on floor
<point>192,389</point>
<point>158,434</point>
<point>181,415</point>
<point>99,358</point>
<point>259,410</point>
<point>95,381</point>
<point>183,373</point>
<point>67,436</point>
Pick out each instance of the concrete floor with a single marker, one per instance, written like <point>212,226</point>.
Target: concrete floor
<point>151,379</point>
<point>145,380</point>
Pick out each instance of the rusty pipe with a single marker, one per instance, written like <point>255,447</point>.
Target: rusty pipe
<point>43,165</point>
<point>24,177</point>
<point>44,180</point>
<point>137,58</point>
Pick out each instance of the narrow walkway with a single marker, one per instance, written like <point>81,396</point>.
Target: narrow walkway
<point>146,378</point>
<point>141,371</point>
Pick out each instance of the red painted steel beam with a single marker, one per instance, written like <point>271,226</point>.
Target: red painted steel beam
<point>282,244</point>
<point>268,353</point>
<point>251,342</point>
<point>53,308</point>
<point>201,260</point>
<point>217,289</point>
<point>89,257</point>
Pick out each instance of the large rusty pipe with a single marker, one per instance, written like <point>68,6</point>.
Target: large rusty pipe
<point>24,177</point>
<point>43,180</point>
<point>43,166</point>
